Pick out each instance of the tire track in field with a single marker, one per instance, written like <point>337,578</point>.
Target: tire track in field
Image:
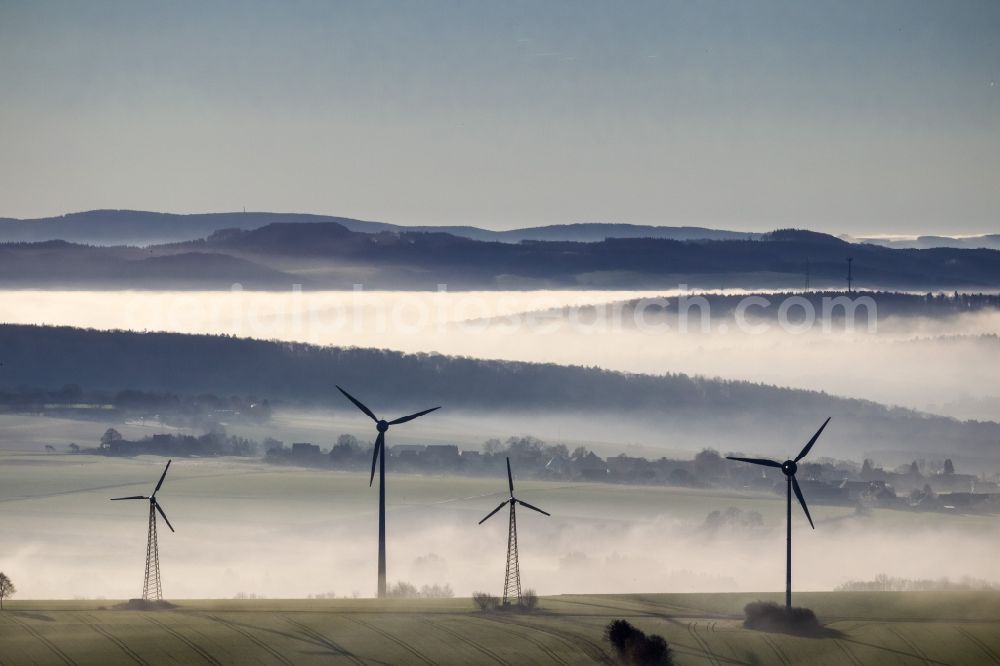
<point>253,639</point>
<point>981,645</point>
<point>693,631</point>
<point>574,641</point>
<point>45,641</point>
<point>910,644</point>
<point>386,635</point>
<point>323,640</point>
<point>478,646</point>
<point>202,652</point>
<point>132,654</point>
<point>554,656</point>
<point>773,644</point>
<point>847,653</point>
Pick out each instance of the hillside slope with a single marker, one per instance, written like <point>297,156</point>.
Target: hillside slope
<point>707,410</point>
<point>884,628</point>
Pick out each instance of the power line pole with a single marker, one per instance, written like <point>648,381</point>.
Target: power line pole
<point>850,275</point>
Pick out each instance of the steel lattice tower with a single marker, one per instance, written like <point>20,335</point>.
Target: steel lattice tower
<point>512,580</point>
<point>151,590</point>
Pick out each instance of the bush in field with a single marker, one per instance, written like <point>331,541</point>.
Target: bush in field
<point>486,602</point>
<point>404,590</point>
<point>769,616</point>
<point>635,647</point>
<point>529,600</point>
<point>436,591</point>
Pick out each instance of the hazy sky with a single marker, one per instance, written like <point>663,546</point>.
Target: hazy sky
<point>860,117</point>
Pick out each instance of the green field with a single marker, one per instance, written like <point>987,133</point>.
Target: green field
<point>283,532</point>
<point>247,527</point>
<point>875,628</point>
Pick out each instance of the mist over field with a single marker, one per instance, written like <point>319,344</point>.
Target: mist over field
<point>247,527</point>
<point>942,365</point>
<point>338,289</point>
<point>243,527</point>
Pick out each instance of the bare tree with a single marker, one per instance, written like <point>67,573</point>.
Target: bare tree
<point>7,588</point>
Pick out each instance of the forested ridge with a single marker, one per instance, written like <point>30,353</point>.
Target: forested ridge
<point>302,374</point>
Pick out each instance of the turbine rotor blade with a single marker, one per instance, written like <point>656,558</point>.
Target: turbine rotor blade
<point>157,505</point>
<point>358,404</point>
<point>162,476</point>
<point>379,443</point>
<point>532,507</point>
<point>404,419</point>
<point>756,461</point>
<point>510,478</point>
<point>809,445</point>
<point>490,514</point>
<point>802,500</point>
<point>115,499</point>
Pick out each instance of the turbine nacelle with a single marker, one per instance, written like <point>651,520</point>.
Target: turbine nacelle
<point>153,504</point>
<point>513,500</point>
<point>789,468</point>
<point>382,426</point>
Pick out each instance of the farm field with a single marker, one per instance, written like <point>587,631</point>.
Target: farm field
<point>248,527</point>
<point>882,628</point>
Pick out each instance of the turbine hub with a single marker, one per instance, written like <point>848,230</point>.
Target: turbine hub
<point>382,425</point>
<point>789,467</point>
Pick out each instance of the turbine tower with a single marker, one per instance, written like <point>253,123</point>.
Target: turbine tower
<point>789,468</point>
<point>512,579</point>
<point>151,589</point>
<point>379,456</point>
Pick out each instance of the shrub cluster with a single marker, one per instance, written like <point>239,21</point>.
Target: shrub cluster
<point>635,647</point>
<point>404,590</point>
<point>886,583</point>
<point>770,616</point>
<point>489,603</point>
<point>485,602</point>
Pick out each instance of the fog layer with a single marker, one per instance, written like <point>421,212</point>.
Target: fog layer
<point>944,366</point>
<point>244,527</point>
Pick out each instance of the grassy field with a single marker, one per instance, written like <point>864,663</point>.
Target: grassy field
<point>245,526</point>
<point>874,628</point>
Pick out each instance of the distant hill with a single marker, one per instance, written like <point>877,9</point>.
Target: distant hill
<point>987,241</point>
<point>58,264</point>
<point>330,255</point>
<point>136,227</point>
<point>730,414</point>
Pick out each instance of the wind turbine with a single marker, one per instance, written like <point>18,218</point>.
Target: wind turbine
<point>379,456</point>
<point>788,468</point>
<point>512,579</point>
<point>151,584</point>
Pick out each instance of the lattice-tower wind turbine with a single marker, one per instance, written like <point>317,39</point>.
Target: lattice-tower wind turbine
<point>379,456</point>
<point>789,468</point>
<point>512,579</point>
<point>151,588</point>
